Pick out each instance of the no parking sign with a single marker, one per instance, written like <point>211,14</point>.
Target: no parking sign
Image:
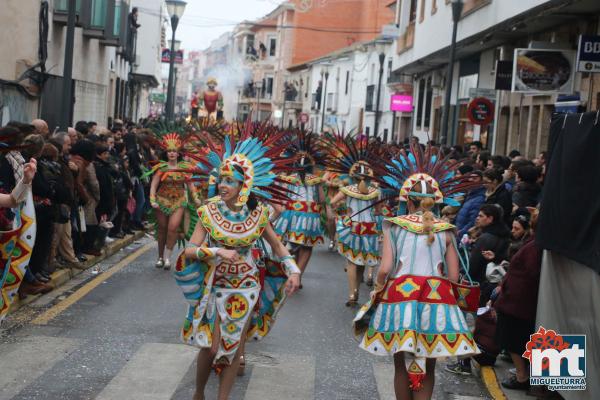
<point>480,111</point>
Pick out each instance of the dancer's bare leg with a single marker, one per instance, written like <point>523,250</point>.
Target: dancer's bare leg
<point>427,391</point>
<point>360,275</point>
<point>173,227</point>
<point>227,376</point>
<point>303,257</point>
<point>162,222</point>
<point>352,279</point>
<point>401,382</point>
<point>204,363</point>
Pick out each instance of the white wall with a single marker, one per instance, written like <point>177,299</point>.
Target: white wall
<point>149,36</point>
<point>435,32</point>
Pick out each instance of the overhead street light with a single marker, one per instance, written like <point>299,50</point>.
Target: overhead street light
<point>457,7</point>
<point>175,8</point>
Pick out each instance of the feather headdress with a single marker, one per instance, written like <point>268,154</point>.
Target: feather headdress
<point>254,158</point>
<point>404,173</point>
<point>348,155</point>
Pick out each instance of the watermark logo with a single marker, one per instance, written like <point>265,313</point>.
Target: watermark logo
<point>556,361</point>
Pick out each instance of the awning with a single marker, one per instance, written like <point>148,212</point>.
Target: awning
<point>150,80</point>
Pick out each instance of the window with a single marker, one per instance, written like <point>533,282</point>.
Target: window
<point>63,5</point>
<point>272,47</point>
<point>369,101</point>
<point>413,11</point>
<point>117,20</point>
<point>422,11</point>
<point>433,6</point>
<point>389,69</point>
<point>269,87</point>
<point>421,100</point>
<point>347,82</point>
<point>428,100</point>
<point>98,13</point>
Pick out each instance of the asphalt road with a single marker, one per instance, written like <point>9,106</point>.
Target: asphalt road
<point>119,340</point>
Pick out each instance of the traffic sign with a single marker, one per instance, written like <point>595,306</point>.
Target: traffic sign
<point>303,117</point>
<point>588,54</point>
<point>480,111</point>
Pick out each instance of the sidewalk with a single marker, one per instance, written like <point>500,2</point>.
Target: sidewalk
<point>62,276</point>
<point>492,376</point>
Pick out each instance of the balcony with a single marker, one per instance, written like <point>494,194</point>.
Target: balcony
<point>406,40</point>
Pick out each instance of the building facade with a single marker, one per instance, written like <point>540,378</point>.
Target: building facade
<point>489,31</point>
<point>104,60</point>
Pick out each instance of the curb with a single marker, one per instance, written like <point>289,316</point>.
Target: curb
<point>490,380</point>
<point>62,276</point>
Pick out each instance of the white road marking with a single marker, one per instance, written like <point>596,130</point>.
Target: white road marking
<point>291,377</point>
<point>384,377</point>
<point>24,362</point>
<point>153,373</point>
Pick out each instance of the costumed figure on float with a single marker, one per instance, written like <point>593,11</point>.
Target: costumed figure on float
<point>299,225</point>
<point>18,223</point>
<point>170,192</point>
<point>230,297</point>
<point>415,312</point>
<point>211,101</point>
<point>358,226</point>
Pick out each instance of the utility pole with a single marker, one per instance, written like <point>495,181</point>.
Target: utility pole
<point>67,97</point>
<point>457,7</point>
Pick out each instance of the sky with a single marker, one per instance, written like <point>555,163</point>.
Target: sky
<point>205,20</point>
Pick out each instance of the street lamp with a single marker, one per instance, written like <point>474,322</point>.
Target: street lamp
<point>381,61</point>
<point>324,94</point>
<point>457,7</point>
<point>175,9</point>
<point>67,87</point>
<point>258,88</point>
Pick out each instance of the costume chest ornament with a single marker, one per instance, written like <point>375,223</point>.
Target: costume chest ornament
<point>233,229</point>
<point>352,191</point>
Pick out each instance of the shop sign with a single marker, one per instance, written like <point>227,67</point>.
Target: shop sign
<point>166,56</point>
<point>480,111</point>
<point>303,118</point>
<point>543,71</point>
<point>482,92</point>
<point>158,97</point>
<point>401,102</point>
<point>504,75</point>
<point>588,54</point>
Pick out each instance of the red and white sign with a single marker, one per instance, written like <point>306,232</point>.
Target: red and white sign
<point>303,118</point>
<point>401,102</point>
<point>480,111</point>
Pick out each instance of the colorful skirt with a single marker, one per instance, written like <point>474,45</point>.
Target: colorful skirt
<point>358,242</point>
<point>15,253</point>
<point>300,223</point>
<point>418,315</point>
<point>238,299</point>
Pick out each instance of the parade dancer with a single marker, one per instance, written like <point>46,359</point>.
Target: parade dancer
<point>169,197</point>
<point>211,101</point>
<point>358,226</point>
<point>299,224</point>
<point>19,226</point>
<point>218,272</point>
<point>414,310</point>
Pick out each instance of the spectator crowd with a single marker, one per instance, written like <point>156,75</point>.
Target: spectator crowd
<point>88,190</point>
